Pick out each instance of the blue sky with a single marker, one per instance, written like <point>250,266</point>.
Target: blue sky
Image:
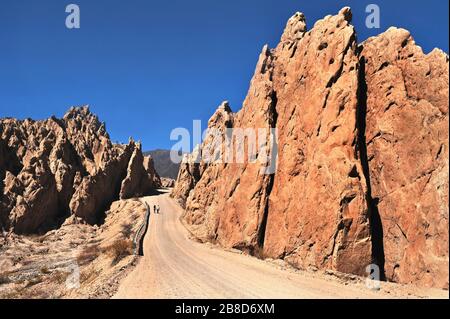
<point>146,67</point>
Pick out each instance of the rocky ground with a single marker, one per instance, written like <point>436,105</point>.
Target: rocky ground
<point>75,261</point>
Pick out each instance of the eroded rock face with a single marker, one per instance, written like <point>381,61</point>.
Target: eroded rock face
<point>141,175</point>
<point>57,167</point>
<point>153,177</point>
<point>352,186</point>
<point>406,97</point>
<point>36,180</point>
<point>96,192</point>
<point>136,175</point>
<point>192,166</point>
<point>318,213</point>
<point>238,206</point>
<point>188,176</point>
<point>167,182</point>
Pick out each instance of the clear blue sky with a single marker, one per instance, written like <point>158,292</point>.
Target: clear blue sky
<point>146,67</point>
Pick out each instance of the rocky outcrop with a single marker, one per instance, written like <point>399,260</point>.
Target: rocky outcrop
<point>35,182</point>
<point>141,175</point>
<point>352,186</point>
<point>57,167</point>
<point>237,190</point>
<point>405,101</point>
<point>318,214</point>
<point>188,176</point>
<point>96,192</point>
<point>152,175</point>
<point>137,179</point>
<point>167,182</point>
<point>192,166</point>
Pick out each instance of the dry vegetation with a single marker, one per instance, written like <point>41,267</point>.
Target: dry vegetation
<point>127,230</point>
<point>88,254</point>
<point>120,249</point>
<point>4,279</point>
<point>95,257</point>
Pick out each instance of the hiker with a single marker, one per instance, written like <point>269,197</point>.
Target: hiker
<point>154,209</point>
<point>158,209</point>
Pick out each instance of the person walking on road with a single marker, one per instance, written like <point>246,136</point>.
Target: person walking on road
<point>154,209</point>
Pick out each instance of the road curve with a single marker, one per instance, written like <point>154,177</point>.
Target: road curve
<point>174,266</point>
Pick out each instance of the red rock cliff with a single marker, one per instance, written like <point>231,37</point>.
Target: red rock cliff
<point>362,173</point>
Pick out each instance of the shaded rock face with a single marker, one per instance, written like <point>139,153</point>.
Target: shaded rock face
<point>36,180</point>
<point>96,192</point>
<point>152,175</point>
<point>53,168</point>
<point>318,213</point>
<point>362,174</point>
<point>188,176</point>
<point>141,176</point>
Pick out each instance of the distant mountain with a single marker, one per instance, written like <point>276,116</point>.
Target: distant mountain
<point>163,164</point>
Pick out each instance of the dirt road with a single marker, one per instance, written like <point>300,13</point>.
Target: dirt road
<point>174,266</point>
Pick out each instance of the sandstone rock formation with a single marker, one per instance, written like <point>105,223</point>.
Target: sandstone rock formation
<point>188,176</point>
<point>167,182</point>
<point>53,168</point>
<point>362,173</point>
<point>406,102</point>
<point>318,214</point>
<point>151,172</point>
<point>141,175</point>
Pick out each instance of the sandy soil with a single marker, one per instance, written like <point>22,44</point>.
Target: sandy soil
<point>175,266</point>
